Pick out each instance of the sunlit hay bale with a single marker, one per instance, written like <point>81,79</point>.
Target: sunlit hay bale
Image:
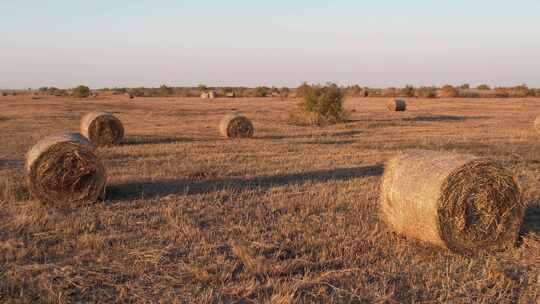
<point>102,128</point>
<point>63,170</point>
<point>236,126</point>
<point>396,105</point>
<point>460,202</point>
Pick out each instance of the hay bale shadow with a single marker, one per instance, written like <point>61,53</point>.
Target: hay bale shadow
<point>531,220</point>
<point>162,188</point>
<point>315,135</point>
<point>11,163</point>
<point>328,142</point>
<point>148,140</point>
<point>435,118</point>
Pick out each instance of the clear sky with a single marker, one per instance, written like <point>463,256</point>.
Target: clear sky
<point>102,43</point>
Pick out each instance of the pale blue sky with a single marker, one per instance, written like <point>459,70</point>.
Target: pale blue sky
<point>239,42</point>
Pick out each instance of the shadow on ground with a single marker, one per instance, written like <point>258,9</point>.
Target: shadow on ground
<point>328,142</point>
<point>162,188</point>
<point>312,135</point>
<point>148,140</point>
<point>11,163</point>
<point>531,221</point>
<point>443,118</point>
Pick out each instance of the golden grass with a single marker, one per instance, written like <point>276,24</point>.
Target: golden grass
<point>288,216</point>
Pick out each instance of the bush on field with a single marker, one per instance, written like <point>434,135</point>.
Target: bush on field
<point>426,92</point>
<point>408,91</point>
<point>520,91</point>
<point>449,91</point>
<point>261,92</point>
<point>469,94</point>
<point>284,93</point>
<point>465,86</point>
<point>302,90</point>
<point>501,93</point>
<point>321,105</point>
<point>354,91</point>
<point>81,92</point>
<point>165,91</point>
<point>483,87</point>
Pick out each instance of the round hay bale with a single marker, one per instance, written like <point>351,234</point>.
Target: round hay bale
<point>102,128</point>
<point>460,202</point>
<point>236,126</point>
<point>62,169</point>
<point>396,105</point>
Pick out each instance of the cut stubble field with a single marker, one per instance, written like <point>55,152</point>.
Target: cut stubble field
<point>288,216</point>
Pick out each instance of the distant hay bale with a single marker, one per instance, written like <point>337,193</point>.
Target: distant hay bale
<point>102,128</point>
<point>460,202</point>
<point>129,95</point>
<point>396,105</point>
<point>63,170</point>
<point>236,126</point>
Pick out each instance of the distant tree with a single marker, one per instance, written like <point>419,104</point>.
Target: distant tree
<point>465,86</point>
<point>81,92</point>
<point>520,91</point>
<point>354,90</point>
<point>449,91</point>
<point>202,88</point>
<point>284,93</point>
<point>302,90</point>
<point>483,87</point>
<point>165,91</point>
<point>408,91</point>
<point>426,92</point>
<point>261,92</point>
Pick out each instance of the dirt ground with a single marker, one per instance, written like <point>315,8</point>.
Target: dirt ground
<point>289,216</point>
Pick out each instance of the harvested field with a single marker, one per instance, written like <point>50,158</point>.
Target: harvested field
<point>289,215</point>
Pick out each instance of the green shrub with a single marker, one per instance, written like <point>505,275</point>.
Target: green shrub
<point>426,92</point>
<point>449,91</point>
<point>262,92</point>
<point>321,105</point>
<point>302,90</point>
<point>165,91</point>
<point>81,92</point>
<point>284,93</point>
<point>408,91</point>
<point>520,91</point>
<point>483,87</point>
<point>465,86</point>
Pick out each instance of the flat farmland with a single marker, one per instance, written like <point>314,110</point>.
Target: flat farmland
<point>288,216</point>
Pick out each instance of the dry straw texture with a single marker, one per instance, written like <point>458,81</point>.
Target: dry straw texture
<point>460,202</point>
<point>396,105</point>
<point>63,170</point>
<point>537,123</point>
<point>102,128</point>
<point>236,126</point>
